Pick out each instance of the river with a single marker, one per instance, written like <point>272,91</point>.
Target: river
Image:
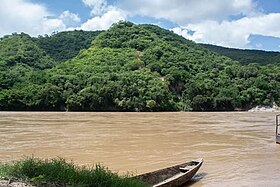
<point>238,148</point>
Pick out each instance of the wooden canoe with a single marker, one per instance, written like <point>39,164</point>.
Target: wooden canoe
<point>172,176</point>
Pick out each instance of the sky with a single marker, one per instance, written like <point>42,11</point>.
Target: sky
<point>246,24</point>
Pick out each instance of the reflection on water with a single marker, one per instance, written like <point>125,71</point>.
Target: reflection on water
<point>238,148</point>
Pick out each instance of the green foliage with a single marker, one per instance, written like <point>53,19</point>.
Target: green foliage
<point>125,35</point>
<point>66,45</point>
<point>58,171</point>
<point>21,49</point>
<point>128,68</point>
<point>246,56</point>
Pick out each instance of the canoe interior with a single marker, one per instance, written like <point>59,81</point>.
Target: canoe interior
<point>161,175</point>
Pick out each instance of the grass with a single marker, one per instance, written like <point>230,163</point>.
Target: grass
<point>58,171</point>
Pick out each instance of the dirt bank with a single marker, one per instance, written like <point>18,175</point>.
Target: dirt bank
<point>5,182</point>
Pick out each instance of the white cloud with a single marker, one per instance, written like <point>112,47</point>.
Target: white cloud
<point>66,15</point>
<point>228,23</point>
<point>232,33</point>
<point>104,15</point>
<point>48,26</point>
<point>98,6</point>
<point>259,45</point>
<point>188,11</point>
<point>211,21</point>
<point>35,19</point>
<point>105,21</point>
<point>20,16</point>
<point>32,18</point>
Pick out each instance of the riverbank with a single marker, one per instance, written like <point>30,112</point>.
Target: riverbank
<point>57,172</point>
<point>273,108</point>
<point>6,182</point>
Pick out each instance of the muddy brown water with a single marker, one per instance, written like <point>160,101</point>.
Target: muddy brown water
<point>238,149</point>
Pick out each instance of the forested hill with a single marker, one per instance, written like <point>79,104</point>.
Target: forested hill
<point>246,56</point>
<point>66,45</point>
<point>127,68</point>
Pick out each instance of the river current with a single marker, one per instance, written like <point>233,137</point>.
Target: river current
<point>238,148</point>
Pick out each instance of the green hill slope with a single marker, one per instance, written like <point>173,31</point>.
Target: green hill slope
<point>246,56</point>
<point>21,49</point>
<point>21,59</point>
<point>66,45</point>
<point>144,68</point>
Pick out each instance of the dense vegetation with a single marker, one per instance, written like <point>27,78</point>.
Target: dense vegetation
<point>58,172</point>
<point>128,68</point>
<point>246,56</point>
<point>66,45</point>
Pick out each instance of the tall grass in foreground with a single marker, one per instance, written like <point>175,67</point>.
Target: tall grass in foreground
<point>58,171</point>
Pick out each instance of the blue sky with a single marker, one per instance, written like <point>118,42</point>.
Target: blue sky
<point>251,24</point>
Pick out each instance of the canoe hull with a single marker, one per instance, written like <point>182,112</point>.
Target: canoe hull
<point>278,139</point>
<point>172,176</point>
